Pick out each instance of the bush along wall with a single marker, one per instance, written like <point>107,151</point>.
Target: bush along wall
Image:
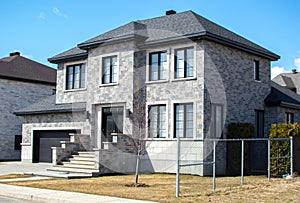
<point>280,167</point>
<point>238,131</point>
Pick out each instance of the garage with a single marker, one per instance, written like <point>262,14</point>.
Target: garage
<point>44,140</point>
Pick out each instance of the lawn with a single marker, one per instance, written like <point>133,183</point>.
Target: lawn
<point>193,188</point>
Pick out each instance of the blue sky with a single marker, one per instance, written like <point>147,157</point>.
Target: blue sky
<point>40,29</point>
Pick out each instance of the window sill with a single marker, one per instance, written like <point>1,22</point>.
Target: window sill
<point>259,81</point>
<point>108,84</point>
<point>184,79</point>
<point>156,82</point>
<point>75,90</point>
<point>171,139</point>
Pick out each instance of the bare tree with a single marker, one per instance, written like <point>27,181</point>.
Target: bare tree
<point>141,124</point>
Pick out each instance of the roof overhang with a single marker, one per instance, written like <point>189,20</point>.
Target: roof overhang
<point>56,111</point>
<point>57,60</point>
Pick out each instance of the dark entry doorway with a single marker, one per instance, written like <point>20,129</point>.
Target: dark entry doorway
<point>112,121</point>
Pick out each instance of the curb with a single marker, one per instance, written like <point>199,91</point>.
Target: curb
<point>55,196</point>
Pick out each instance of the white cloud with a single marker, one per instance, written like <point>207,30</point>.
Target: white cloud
<point>42,16</point>
<point>297,63</point>
<point>57,12</point>
<point>276,70</point>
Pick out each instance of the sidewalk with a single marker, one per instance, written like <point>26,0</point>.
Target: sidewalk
<point>55,196</point>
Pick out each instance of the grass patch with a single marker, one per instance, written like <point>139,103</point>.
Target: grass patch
<point>12,176</point>
<point>193,188</point>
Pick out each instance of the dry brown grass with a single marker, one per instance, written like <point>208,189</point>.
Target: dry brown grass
<point>193,188</point>
<point>12,176</point>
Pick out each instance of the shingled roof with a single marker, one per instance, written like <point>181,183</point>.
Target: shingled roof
<point>17,67</point>
<point>281,96</point>
<point>188,25</point>
<point>48,105</point>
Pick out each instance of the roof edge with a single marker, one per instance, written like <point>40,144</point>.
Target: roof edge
<point>57,60</point>
<point>28,80</point>
<point>27,113</point>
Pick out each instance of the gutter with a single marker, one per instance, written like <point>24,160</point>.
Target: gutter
<point>53,111</point>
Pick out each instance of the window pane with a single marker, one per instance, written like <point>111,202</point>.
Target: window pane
<point>154,66</point>
<point>106,70</point>
<point>70,78</point>
<point>114,70</point>
<point>218,122</point>
<point>179,110</point>
<point>82,76</point>
<point>190,62</point>
<point>189,120</point>
<point>76,76</point>
<point>162,123</point>
<point>153,121</point>
<point>179,64</point>
<point>163,65</point>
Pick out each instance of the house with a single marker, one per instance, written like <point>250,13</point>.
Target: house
<point>175,75</point>
<point>289,80</point>
<point>22,82</point>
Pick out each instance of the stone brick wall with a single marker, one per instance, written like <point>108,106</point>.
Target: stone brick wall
<point>67,121</point>
<point>14,96</point>
<point>229,81</point>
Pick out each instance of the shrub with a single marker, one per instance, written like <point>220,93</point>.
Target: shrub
<point>281,166</point>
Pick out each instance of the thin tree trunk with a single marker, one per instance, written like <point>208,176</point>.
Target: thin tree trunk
<point>137,167</point>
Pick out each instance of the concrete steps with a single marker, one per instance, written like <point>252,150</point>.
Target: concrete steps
<point>81,163</point>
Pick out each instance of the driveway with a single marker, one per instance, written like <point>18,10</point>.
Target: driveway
<point>17,167</point>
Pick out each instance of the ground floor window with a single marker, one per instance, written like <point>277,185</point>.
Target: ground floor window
<point>184,120</point>
<point>216,128</point>
<point>289,118</point>
<point>18,141</point>
<point>157,121</point>
<point>259,123</point>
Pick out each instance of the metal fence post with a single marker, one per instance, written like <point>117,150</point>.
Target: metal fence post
<point>291,156</point>
<point>178,167</point>
<point>242,163</point>
<point>214,167</point>
<point>269,160</point>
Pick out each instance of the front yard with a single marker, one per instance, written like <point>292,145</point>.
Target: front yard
<point>193,188</point>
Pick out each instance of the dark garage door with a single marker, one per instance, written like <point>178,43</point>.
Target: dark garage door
<point>44,140</point>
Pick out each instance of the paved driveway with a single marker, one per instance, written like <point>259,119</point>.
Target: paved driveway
<point>17,167</point>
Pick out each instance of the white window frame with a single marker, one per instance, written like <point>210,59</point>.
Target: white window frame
<point>167,50</point>
<point>65,75</point>
<point>101,69</point>
<point>148,104</point>
<point>172,127</point>
<point>173,50</point>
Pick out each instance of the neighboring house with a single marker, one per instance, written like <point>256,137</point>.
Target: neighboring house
<point>22,82</point>
<point>190,76</point>
<point>289,80</point>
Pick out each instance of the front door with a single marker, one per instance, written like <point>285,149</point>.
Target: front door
<point>112,121</point>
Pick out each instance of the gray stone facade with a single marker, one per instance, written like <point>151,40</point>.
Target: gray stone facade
<point>14,96</point>
<point>223,77</point>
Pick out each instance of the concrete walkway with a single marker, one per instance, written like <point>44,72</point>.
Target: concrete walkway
<point>55,196</point>
<point>17,167</point>
<point>45,195</point>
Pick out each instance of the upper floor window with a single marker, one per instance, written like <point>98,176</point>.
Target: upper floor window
<point>157,65</point>
<point>110,70</point>
<point>184,119</point>
<point>184,63</point>
<point>157,121</point>
<point>256,70</point>
<point>75,76</point>
<point>289,118</point>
